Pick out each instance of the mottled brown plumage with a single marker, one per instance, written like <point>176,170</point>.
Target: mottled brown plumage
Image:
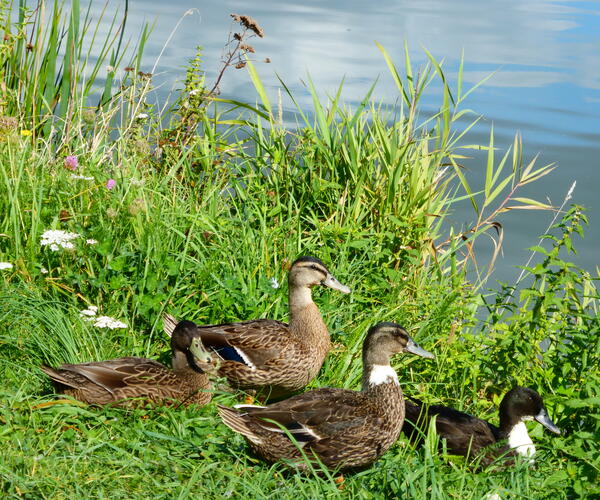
<point>343,428</point>
<point>265,354</point>
<point>134,381</point>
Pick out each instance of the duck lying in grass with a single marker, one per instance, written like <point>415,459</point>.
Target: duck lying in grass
<point>342,428</point>
<point>266,354</point>
<point>139,381</point>
<point>469,436</point>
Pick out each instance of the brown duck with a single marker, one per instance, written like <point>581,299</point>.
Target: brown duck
<point>342,428</point>
<point>138,381</point>
<point>266,354</point>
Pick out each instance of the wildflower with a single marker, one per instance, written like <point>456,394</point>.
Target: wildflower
<point>5,265</point>
<point>108,322</point>
<point>110,69</point>
<point>91,241</point>
<point>43,270</point>
<point>90,311</point>
<point>112,213</point>
<point>110,184</point>
<point>71,162</point>
<point>274,283</point>
<point>142,116</point>
<point>81,177</point>
<point>137,182</point>
<point>26,133</point>
<point>57,239</point>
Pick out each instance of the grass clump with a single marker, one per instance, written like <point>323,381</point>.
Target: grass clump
<point>202,218</point>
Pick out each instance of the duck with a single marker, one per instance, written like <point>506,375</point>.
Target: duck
<point>133,381</point>
<point>271,357</point>
<point>343,429</point>
<point>473,437</point>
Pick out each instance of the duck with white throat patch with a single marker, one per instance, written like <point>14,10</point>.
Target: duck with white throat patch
<point>469,436</point>
<point>342,428</point>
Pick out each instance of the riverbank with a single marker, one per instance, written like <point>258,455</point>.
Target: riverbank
<point>200,210</point>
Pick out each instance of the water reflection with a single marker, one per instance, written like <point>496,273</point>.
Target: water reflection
<point>545,55</point>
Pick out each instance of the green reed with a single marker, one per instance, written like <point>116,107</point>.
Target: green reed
<point>206,212</point>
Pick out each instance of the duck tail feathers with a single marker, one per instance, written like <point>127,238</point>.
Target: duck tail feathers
<point>169,324</point>
<point>58,377</point>
<point>236,422</point>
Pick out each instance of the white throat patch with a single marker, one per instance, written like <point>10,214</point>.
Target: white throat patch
<point>519,440</point>
<point>382,374</point>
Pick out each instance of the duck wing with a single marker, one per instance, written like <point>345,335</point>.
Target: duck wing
<point>313,417</point>
<point>112,374</point>
<point>465,434</point>
<point>253,343</point>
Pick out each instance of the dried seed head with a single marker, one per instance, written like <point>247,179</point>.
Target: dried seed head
<point>267,60</point>
<point>240,65</point>
<point>64,216</point>
<point>89,116</point>
<point>237,36</point>
<point>247,48</point>
<point>8,123</point>
<point>249,23</point>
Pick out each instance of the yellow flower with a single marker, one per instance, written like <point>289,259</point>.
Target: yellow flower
<point>25,133</point>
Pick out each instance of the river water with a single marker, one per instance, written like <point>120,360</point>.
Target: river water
<point>545,56</point>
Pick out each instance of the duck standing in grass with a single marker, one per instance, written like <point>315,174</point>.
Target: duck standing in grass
<point>469,436</point>
<point>342,428</point>
<point>138,381</point>
<point>265,354</point>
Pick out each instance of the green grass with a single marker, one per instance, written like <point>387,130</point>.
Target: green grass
<point>214,200</point>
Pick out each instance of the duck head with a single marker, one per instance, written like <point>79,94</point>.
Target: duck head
<point>520,404</point>
<point>310,271</point>
<point>187,347</point>
<point>382,342</point>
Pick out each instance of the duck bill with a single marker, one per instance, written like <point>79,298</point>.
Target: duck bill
<point>199,351</point>
<point>414,348</point>
<point>331,282</point>
<point>543,418</point>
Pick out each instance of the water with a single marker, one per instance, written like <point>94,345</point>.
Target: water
<point>545,55</point>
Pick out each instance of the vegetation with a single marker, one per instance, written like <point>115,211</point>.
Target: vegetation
<point>201,217</point>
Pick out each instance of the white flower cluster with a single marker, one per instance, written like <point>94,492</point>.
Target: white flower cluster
<point>274,283</point>
<point>81,177</point>
<point>89,314</point>
<point>57,239</point>
<point>5,265</point>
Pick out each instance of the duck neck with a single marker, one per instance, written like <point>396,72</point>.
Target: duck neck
<point>305,319</point>
<point>182,363</point>
<point>519,440</point>
<point>378,374</point>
